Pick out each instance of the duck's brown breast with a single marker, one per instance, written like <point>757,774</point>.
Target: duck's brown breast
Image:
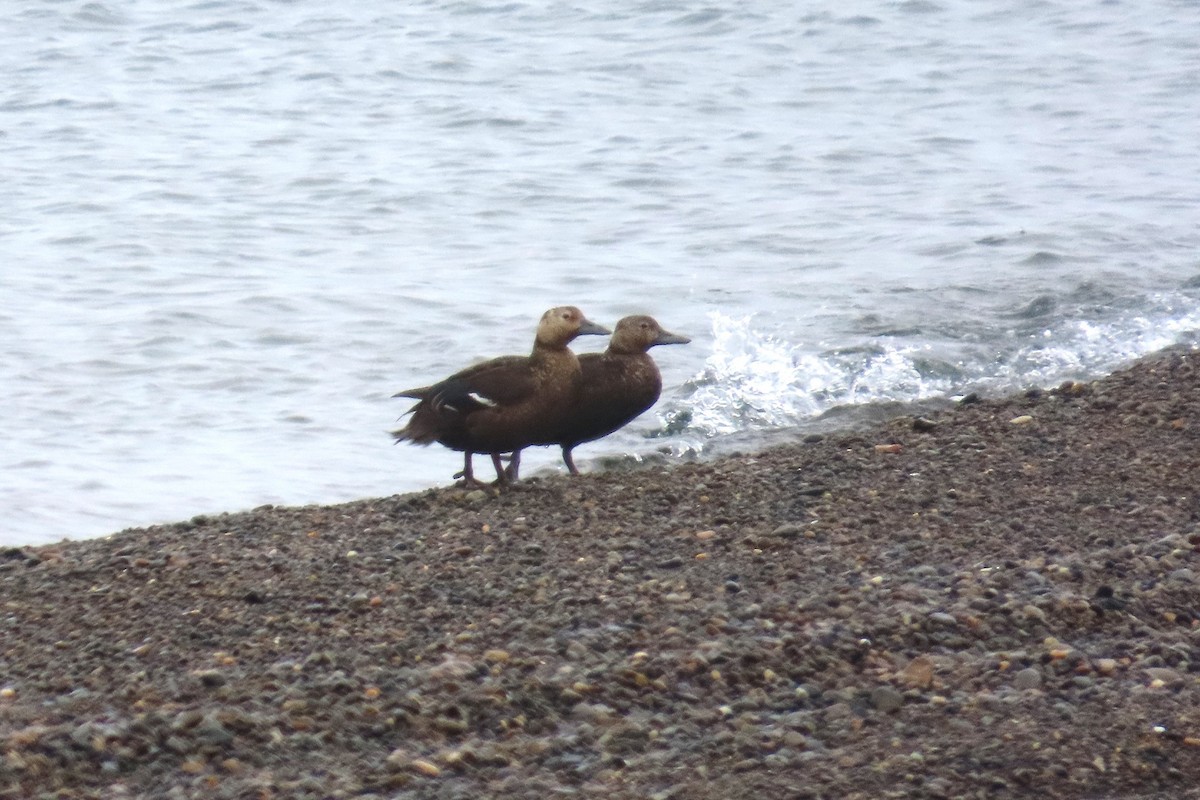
<point>615,390</point>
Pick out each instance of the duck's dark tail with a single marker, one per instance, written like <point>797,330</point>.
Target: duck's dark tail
<point>422,427</point>
<point>419,393</point>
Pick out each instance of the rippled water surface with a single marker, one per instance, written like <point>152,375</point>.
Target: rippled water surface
<point>231,230</point>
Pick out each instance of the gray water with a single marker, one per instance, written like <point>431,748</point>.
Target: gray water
<point>231,230</point>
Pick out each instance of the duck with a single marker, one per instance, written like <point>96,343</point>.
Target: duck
<point>504,404</point>
<point>618,385</point>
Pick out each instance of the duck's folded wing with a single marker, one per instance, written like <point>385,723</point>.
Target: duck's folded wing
<point>499,382</point>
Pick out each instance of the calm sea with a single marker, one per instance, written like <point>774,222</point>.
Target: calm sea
<point>230,230</point>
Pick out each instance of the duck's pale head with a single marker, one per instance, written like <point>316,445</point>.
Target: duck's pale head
<point>561,324</point>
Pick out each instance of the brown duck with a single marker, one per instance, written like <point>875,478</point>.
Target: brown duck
<point>507,403</point>
<point>618,385</point>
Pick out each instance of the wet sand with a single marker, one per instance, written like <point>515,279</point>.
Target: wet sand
<point>998,599</point>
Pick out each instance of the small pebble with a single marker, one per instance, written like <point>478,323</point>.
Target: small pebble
<point>212,678</point>
<point>1028,678</point>
<point>886,699</point>
<point>1163,676</point>
<point>918,673</point>
<point>426,768</point>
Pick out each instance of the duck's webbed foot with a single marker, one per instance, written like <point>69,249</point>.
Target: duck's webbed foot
<point>473,483</point>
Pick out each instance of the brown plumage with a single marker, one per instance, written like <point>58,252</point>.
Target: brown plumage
<point>507,403</point>
<point>618,384</point>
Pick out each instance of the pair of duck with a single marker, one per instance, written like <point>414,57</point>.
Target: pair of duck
<point>550,397</point>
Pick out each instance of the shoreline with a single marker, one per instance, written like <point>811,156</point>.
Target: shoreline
<point>1000,597</point>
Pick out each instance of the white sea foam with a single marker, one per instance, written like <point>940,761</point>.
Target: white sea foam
<point>753,379</point>
<point>757,380</point>
<point>1084,348</point>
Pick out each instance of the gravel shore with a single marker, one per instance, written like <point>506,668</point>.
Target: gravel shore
<point>999,599</point>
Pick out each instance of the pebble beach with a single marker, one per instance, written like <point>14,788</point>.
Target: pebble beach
<point>990,598</point>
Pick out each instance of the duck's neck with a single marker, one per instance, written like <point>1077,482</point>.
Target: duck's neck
<point>556,364</point>
<point>548,348</point>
